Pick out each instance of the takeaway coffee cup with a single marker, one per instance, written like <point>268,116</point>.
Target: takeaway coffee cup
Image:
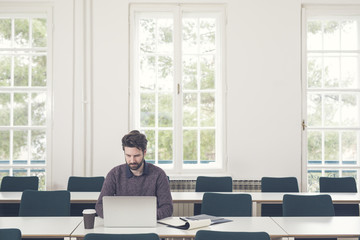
<point>89,218</point>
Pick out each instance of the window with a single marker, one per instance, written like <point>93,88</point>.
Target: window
<point>332,94</point>
<point>177,81</point>
<point>23,95</point>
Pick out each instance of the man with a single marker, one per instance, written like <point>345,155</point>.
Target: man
<point>137,177</point>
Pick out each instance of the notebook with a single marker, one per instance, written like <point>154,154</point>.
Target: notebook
<point>129,211</point>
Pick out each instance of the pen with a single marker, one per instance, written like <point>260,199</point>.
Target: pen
<point>182,218</point>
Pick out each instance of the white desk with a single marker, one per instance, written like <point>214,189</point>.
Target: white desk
<point>347,227</point>
<point>248,224</point>
<point>259,197</point>
<point>194,197</point>
<point>75,197</point>
<point>49,227</point>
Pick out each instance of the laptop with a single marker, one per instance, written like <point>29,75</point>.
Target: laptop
<point>129,211</point>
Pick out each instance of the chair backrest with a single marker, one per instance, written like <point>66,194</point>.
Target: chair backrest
<point>85,184</point>
<point>310,205</point>
<point>345,184</point>
<point>10,234</point>
<point>213,184</point>
<point>216,235</point>
<point>281,184</point>
<point>19,184</point>
<point>138,236</point>
<point>45,203</point>
<point>226,205</point>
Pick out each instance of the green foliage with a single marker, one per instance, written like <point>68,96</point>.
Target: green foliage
<point>165,145</point>
<point>207,145</point>
<point>190,145</point>
<point>39,33</point>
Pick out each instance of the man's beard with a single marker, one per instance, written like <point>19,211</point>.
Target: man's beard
<point>136,166</point>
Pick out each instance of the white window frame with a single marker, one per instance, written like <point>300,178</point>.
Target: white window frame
<point>220,140</point>
<point>319,11</point>
<point>44,10</point>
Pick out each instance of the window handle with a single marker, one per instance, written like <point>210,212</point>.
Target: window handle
<point>303,125</point>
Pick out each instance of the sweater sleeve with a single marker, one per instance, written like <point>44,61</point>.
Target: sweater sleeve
<point>108,189</point>
<point>164,199</point>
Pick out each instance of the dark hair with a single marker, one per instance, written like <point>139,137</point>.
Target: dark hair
<point>134,139</point>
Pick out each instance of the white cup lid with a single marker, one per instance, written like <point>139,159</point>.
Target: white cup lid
<point>88,211</point>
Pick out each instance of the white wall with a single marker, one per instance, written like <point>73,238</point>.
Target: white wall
<point>263,82</point>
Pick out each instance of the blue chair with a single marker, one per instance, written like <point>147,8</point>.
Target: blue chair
<point>309,205</point>
<point>19,184</point>
<point>345,184</point>
<point>274,184</point>
<point>16,184</point>
<point>211,184</point>
<point>45,203</point>
<point>83,184</point>
<point>226,205</point>
<point>217,235</point>
<point>10,234</point>
<point>138,236</point>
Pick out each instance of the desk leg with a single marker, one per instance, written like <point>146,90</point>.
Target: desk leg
<point>256,212</point>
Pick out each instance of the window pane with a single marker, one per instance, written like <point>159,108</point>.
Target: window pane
<point>313,180</point>
<point>190,109</point>
<point>21,32</point>
<point>165,147</point>
<point>20,148</point>
<point>5,33</point>
<point>314,109</point>
<point>165,73</point>
<point>314,35</point>
<point>147,106</point>
<point>147,37</point>
<point>5,70</point>
<point>38,111</point>
<point>349,150</point>
<point>331,35</point>
<point>147,73</point>
<point>165,31</point>
<point>314,147</point>
<point>207,33</point>
<point>207,109</point>
<point>332,173</point>
<point>350,110</point>
<point>314,72</point>
<point>207,68</point>
<point>21,71</point>
<point>349,35</point>
<point>4,147</point>
<point>5,109</point>
<point>39,37</point>
<point>349,173</point>
<point>189,32</point>
<point>165,110</point>
<point>190,146</point>
<point>331,72</point>
<point>207,146</point>
<point>331,110</point>
<point>190,72</point>
<point>21,109</point>
<point>331,148</point>
<point>349,72</point>
<point>38,72</point>
<point>38,147</point>
<point>20,172</point>
<point>41,174</point>
<point>150,152</point>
